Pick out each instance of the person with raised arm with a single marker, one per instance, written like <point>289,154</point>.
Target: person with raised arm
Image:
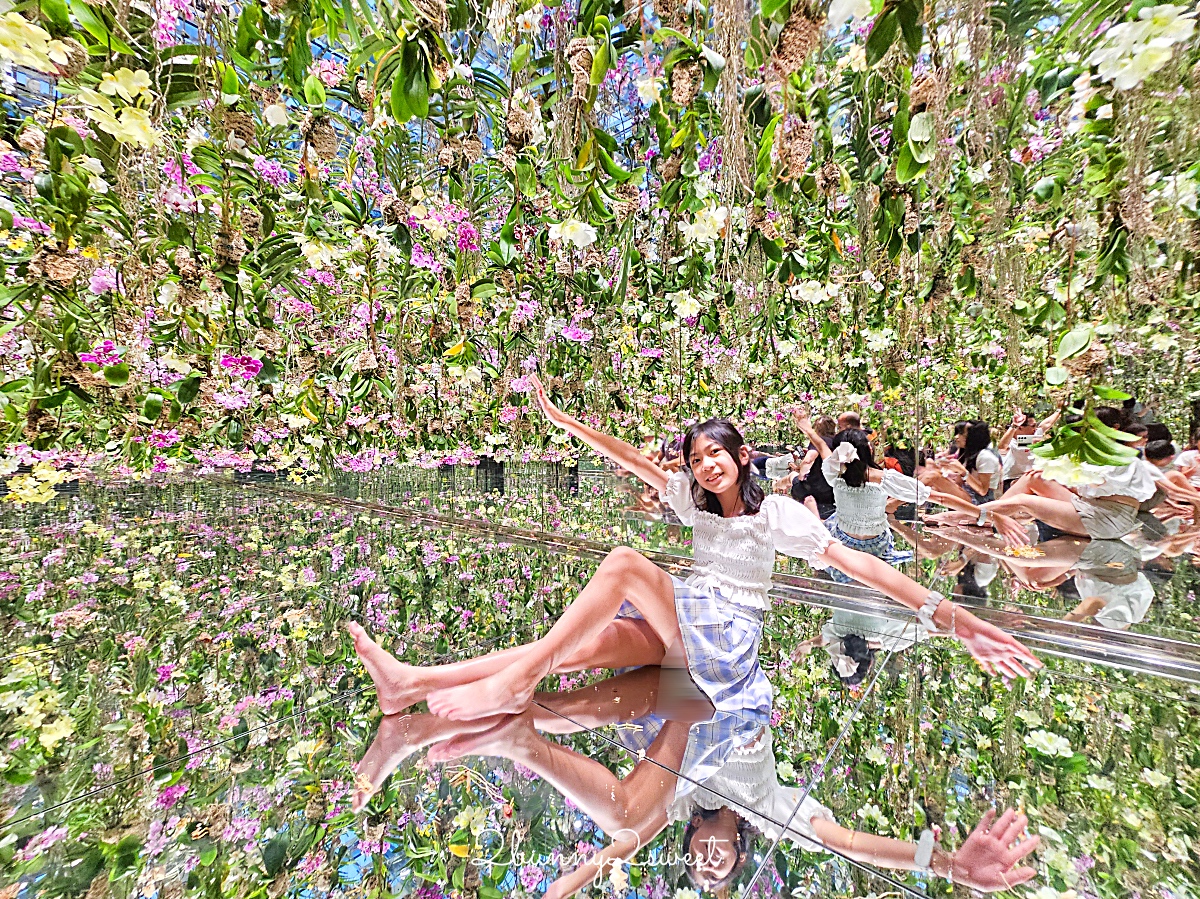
<point>632,612</point>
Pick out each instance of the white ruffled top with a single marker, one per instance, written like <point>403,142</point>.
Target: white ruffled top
<point>1137,479</point>
<point>737,555</point>
<point>748,785</point>
<point>862,511</point>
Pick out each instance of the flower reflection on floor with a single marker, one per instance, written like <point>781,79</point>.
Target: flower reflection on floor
<point>182,715</point>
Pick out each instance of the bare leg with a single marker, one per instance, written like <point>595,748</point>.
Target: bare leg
<point>811,505</point>
<point>398,737</point>
<point>1054,512</point>
<point>615,804</point>
<point>624,574</point>
<point>625,642</point>
<point>1046,487</point>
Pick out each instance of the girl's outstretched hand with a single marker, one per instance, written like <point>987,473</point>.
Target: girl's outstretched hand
<point>987,860</point>
<point>996,652</point>
<point>553,414</point>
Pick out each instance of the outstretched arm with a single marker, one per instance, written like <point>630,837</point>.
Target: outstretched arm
<point>986,861</point>
<point>624,454</point>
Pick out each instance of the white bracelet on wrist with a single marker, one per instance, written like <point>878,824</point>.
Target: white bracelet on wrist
<point>926,612</point>
<point>924,854</point>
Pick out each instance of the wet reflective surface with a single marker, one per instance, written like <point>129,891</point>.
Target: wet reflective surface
<point>182,711</point>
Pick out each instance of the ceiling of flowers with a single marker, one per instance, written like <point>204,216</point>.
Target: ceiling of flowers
<point>308,231</point>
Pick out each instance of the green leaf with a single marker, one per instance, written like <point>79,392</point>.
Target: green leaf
<point>93,24</point>
<point>772,249</point>
<point>229,81</point>
<point>189,388</point>
<point>56,12</point>
<point>314,91</point>
<point>881,37</point>
<point>1111,393</point>
<point>1073,343</point>
<point>1056,376</point>
<point>275,853</point>
<point>907,167</point>
<point>153,407</point>
<point>770,7</point>
<point>1046,188</point>
<point>908,12</point>
<point>520,57</point>
<point>400,111</point>
<point>117,375</point>
<point>600,63</point>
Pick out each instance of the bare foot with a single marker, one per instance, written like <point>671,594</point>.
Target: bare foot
<point>506,692</point>
<point>397,686</point>
<point>498,740</point>
<point>398,737</point>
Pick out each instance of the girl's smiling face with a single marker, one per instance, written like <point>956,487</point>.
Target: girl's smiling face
<point>713,467</point>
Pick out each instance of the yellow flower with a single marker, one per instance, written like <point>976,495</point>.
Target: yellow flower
<point>17,243</point>
<point>459,849</point>
<point>56,731</point>
<point>26,44</point>
<point>126,83</point>
<point>90,253</point>
<point>135,127</point>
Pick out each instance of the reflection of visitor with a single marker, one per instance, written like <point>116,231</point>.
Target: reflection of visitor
<point>852,639</point>
<point>632,612</point>
<point>1112,589</point>
<point>727,792</point>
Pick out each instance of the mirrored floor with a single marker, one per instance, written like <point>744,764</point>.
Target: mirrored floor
<point>182,712</point>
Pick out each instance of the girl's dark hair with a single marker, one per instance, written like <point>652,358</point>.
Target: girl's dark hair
<point>856,472</point>
<point>856,647</point>
<point>1159,449</point>
<point>1111,416</point>
<point>979,437</point>
<point>745,834</point>
<point>723,432</point>
<point>906,456</point>
<point>1158,431</point>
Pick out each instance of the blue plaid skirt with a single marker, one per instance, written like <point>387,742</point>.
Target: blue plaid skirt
<point>720,640</point>
<point>882,546</point>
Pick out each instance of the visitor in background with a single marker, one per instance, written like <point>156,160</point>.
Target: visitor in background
<point>863,492</point>
<point>1104,511</point>
<point>1188,461</point>
<point>807,483</point>
<point>849,421</point>
<point>975,474</point>
<point>1023,433</point>
<point>1172,483</point>
<point>1140,434</point>
<point>1158,431</point>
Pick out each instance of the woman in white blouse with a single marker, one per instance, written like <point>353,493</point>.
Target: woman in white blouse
<point>632,612</point>
<point>864,494</point>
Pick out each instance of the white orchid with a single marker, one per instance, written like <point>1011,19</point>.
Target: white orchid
<point>1132,51</point>
<point>574,232</point>
<point>647,89</point>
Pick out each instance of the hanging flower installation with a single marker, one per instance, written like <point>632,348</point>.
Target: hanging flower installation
<point>295,233</point>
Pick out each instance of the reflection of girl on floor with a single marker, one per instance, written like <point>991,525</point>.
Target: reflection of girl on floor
<point>631,611</point>
<point>728,790</point>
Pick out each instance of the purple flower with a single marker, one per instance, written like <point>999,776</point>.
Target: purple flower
<point>508,415</point>
<point>102,281</point>
<point>103,353</point>
<point>531,876</point>
<point>468,237</point>
<point>576,334</point>
<point>271,171</point>
<point>171,795</point>
<point>165,673</point>
<point>246,366</point>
